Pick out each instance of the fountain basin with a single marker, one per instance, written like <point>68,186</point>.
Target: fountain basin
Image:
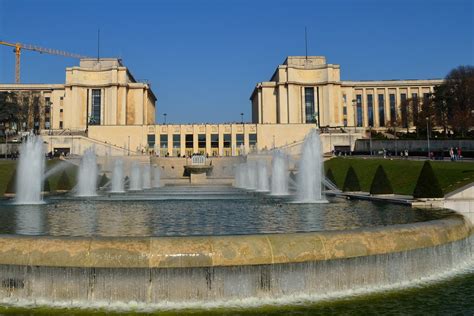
<point>220,269</point>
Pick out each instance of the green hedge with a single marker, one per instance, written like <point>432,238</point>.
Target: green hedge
<point>351,183</point>
<point>63,182</point>
<point>427,185</point>
<point>380,183</point>
<point>330,176</point>
<point>103,180</point>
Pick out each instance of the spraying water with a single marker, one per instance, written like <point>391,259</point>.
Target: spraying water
<point>147,177</point>
<point>239,176</point>
<point>135,177</point>
<point>30,173</point>
<point>251,169</point>
<point>88,172</point>
<point>157,177</point>
<point>262,174</point>
<point>118,183</point>
<point>309,179</point>
<point>280,176</point>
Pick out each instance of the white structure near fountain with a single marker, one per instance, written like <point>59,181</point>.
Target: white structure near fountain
<point>30,172</point>
<point>87,174</point>
<point>135,177</point>
<point>262,176</point>
<point>310,170</point>
<point>156,177</point>
<point>280,176</point>
<point>118,182</point>
<point>146,176</point>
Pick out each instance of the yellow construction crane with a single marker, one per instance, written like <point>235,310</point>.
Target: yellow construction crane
<point>19,46</point>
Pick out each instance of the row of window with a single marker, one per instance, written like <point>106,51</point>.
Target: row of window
<point>381,108</point>
<point>201,140</point>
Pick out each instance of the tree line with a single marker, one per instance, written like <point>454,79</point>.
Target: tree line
<point>20,111</point>
<point>449,109</point>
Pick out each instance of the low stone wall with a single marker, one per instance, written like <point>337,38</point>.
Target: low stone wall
<point>178,252</point>
<point>219,270</point>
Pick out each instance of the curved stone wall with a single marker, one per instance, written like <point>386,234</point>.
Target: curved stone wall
<point>217,251</point>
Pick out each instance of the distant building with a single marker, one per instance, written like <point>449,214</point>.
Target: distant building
<point>101,104</point>
<point>308,90</point>
<point>97,92</point>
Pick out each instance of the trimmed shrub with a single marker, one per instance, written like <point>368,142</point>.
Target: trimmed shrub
<point>103,180</point>
<point>427,185</point>
<point>351,183</point>
<point>380,183</point>
<point>11,186</point>
<point>63,183</point>
<point>46,186</point>
<point>330,176</point>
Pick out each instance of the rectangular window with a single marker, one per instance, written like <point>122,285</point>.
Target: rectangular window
<point>177,141</point>
<point>60,124</point>
<point>344,110</point>
<point>95,115</point>
<point>370,109</point>
<point>393,109</point>
<point>404,109</point>
<point>426,96</point>
<point>415,104</point>
<point>252,140</point>
<point>47,112</point>
<point>189,141</point>
<point>360,118</point>
<point>381,110</point>
<point>240,140</point>
<point>309,104</point>
<point>227,140</point>
<point>202,141</point>
<point>151,140</point>
<point>163,141</point>
<point>214,140</point>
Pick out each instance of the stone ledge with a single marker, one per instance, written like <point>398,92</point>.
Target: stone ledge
<point>214,251</point>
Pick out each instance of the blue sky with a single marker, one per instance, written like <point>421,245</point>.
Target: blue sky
<point>203,58</point>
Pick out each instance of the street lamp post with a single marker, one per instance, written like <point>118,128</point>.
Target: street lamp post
<point>428,135</point>
<point>164,115</point>
<point>242,118</point>
<point>6,143</point>
<point>51,126</point>
<point>370,139</point>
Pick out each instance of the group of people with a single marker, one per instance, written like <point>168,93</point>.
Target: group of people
<point>455,153</point>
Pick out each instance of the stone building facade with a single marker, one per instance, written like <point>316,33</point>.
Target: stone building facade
<point>97,92</point>
<point>309,90</point>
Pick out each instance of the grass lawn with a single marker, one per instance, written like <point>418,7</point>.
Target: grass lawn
<point>7,170</point>
<point>403,174</point>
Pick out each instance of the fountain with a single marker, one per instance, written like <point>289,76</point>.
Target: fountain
<point>239,175</point>
<point>87,174</point>
<point>310,170</point>
<point>156,177</point>
<point>251,181</point>
<point>146,176</point>
<point>262,176</point>
<point>118,183</point>
<point>280,176</point>
<point>30,172</point>
<point>135,177</point>
<point>217,246</point>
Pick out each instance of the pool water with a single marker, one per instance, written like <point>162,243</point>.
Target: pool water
<point>184,211</point>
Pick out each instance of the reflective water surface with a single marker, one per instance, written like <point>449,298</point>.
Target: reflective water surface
<point>184,211</point>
